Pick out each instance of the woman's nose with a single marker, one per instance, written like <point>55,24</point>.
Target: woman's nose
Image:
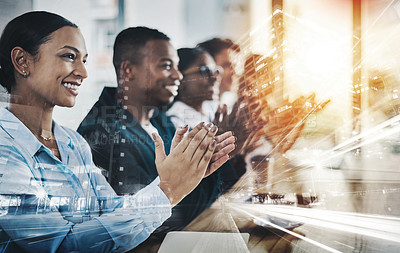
<point>80,70</point>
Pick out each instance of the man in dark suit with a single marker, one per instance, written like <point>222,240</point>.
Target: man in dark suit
<point>120,124</point>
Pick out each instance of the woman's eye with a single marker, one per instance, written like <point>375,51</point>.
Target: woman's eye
<point>69,56</point>
<point>167,66</point>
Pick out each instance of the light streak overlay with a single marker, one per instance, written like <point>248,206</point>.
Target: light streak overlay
<point>367,137</point>
<point>379,132</point>
<point>330,77</point>
<point>381,227</point>
<point>376,21</point>
<point>240,209</point>
<point>372,135</point>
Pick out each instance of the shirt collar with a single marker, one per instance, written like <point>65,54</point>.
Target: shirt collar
<point>180,108</point>
<point>24,137</point>
<point>64,141</point>
<point>19,132</point>
<point>61,135</point>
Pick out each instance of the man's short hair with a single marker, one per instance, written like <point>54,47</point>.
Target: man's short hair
<point>129,42</point>
<point>216,45</point>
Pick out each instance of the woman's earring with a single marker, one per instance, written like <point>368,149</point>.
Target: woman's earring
<point>25,74</point>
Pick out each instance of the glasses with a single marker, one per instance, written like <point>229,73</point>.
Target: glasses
<point>205,71</point>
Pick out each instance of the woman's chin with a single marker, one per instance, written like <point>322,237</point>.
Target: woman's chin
<point>68,104</point>
<point>209,96</point>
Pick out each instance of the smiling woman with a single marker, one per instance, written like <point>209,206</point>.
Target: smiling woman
<point>44,70</point>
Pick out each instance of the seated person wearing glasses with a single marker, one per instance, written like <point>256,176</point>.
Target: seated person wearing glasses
<point>200,83</point>
<point>201,78</point>
<point>223,52</point>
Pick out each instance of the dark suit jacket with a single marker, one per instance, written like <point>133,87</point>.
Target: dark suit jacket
<point>123,149</point>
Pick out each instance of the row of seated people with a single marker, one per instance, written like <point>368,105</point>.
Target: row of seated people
<point>164,177</point>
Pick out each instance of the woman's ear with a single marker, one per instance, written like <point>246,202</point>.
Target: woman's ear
<point>19,58</point>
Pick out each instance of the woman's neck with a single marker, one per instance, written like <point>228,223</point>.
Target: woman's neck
<point>37,115</point>
<point>196,104</point>
<point>37,119</point>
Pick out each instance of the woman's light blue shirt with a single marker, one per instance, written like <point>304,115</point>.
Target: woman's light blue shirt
<point>48,205</point>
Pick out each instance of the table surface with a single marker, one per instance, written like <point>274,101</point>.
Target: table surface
<point>221,218</point>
